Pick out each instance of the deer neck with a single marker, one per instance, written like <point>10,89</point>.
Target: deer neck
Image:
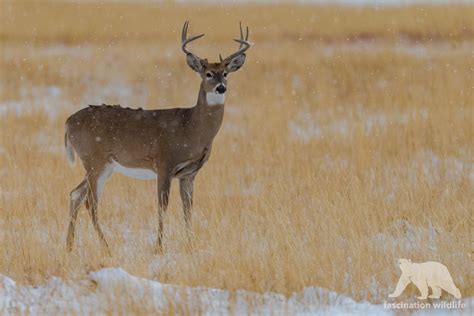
<point>207,114</point>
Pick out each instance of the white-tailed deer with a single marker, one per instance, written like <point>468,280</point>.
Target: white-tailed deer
<point>150,144</point>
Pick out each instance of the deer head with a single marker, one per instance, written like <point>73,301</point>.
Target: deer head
<point>214,75</point>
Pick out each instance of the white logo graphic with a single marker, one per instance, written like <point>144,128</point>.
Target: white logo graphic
<point>423,275</point>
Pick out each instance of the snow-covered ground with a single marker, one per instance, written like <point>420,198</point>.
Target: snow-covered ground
<point>114,290</point>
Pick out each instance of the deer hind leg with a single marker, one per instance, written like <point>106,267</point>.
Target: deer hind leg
<point>77,197</point>
<point>96,184</point>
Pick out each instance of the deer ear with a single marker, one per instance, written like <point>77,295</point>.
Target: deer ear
<point>194,62</point>
<point>235,63</point>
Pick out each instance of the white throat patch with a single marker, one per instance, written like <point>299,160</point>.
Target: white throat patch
<point>215,98</point>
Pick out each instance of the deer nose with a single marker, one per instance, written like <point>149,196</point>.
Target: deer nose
<point>221,89</point>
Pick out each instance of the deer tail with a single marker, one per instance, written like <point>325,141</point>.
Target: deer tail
<point>71,157</point>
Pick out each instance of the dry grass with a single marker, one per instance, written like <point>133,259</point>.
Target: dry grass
<point>342,122</point>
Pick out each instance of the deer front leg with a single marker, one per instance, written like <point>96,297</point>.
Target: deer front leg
<point>186,191</point>
<point>164,182</point>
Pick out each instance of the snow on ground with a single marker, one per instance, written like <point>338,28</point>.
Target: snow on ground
<point>318,124</point>
<point>46,98</point>
<point>113,290</point>
<point>402,234</point>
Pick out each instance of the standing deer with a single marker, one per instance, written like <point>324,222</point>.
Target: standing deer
<point>150,144</point>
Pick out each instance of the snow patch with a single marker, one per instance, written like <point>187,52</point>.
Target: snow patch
<point>306,126</point>
<point>113,290</point>
<point>46,98</point>
<point>407,237</point>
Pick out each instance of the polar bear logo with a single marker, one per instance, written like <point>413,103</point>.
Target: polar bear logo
<point>432,274</point>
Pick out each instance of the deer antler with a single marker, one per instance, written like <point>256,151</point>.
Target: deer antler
<point>185,41</point>
<point>244,44</point>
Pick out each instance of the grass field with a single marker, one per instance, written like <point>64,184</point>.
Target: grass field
<point>347,143</point>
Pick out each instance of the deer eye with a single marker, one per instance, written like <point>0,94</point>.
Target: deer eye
<point>225,74</point>
<point>209,75</point>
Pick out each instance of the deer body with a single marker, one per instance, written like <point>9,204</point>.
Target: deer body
<point>150,144</point>
<point>143,139</point>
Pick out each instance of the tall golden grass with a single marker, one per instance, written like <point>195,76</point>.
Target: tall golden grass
<point>344,123</point>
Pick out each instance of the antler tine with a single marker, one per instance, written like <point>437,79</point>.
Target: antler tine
<point>244,43</point>
<point>184,31</point>
<point>185,40</point>
<point>242,34</point>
